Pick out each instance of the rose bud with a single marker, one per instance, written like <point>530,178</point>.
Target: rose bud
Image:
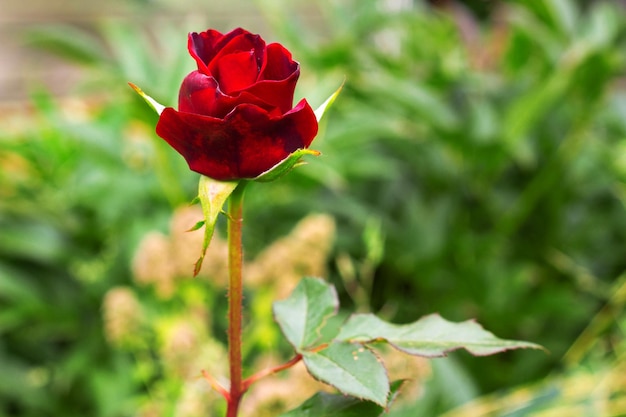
<point>235,117</point>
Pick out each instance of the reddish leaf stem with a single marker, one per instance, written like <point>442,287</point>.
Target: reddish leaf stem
<point>216,385</point>
<point>270,371</point>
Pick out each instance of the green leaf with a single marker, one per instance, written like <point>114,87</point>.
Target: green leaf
<point>351,368</point>
<point>156,106</point>
<point>430,336</point>
<point>285,165</point>
<point>526,112</point>
<point>324,404</point>
<point>68,42</point>
<point>321,110</point>
<point>213,194</point>
<point>302,315</point>
<point>196,226</point>
<point>563,14</point>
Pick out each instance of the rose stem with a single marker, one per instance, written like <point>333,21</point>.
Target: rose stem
<point>235,298</point>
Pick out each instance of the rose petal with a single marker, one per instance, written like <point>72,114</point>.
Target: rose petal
<point>204,46</point>
<point>236,71</point>
<point>276,79</point>
<point>245,41</point>
<point>276,93</point>
<point>200,94</point>
<point>260,151</point>
<point>278,64</point>
<point>245,144</point>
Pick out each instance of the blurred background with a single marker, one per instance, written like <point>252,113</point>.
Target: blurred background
<point>474,165</point>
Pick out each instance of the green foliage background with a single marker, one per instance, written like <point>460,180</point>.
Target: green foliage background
<point>476,168</point>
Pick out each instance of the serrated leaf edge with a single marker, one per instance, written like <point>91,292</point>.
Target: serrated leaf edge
<point>356,346</point>
<point>512,344</point>
<point>300,348</point>
<point>395,389</point>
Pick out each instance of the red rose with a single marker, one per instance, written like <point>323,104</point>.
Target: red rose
<point>235,115</point>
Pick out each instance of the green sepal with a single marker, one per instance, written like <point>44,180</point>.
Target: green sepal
<point>156,106</point>
<point>321,110</point>
<point>196,226</point>
<point>285,165</point>
<point>213,194</point>
<point>294,159</point>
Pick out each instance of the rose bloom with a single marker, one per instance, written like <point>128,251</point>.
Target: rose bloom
<point>235,116</point>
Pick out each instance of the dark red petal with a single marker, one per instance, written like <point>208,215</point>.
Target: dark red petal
<point>200,94</point>
<point>267,142</point>
<point>201,141</point>
<point>232,35</point>
<point>244,42</point>
<point>245,144</point>
<point>237,71</point>
<point>278,63</point>
<point>303,116</point>
<point>204,46</point>
<point>276,93</point>
<point>219,56</point>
